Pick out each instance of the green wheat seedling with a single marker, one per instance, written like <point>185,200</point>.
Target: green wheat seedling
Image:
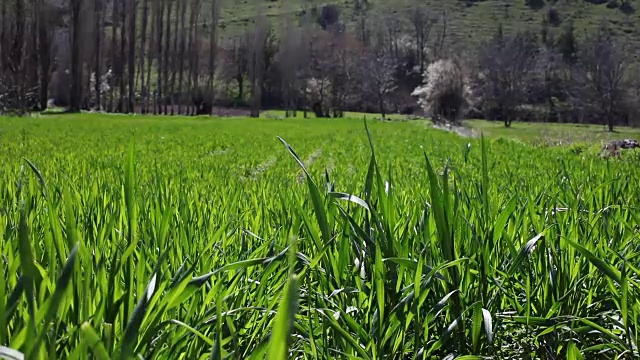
<point>390,242</point>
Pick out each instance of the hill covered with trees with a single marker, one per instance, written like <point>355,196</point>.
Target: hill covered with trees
<point>572,60</point>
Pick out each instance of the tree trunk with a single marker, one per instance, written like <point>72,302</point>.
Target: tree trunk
<point>610,122</point>
<point>76,66</point>
<point>195,58</point>
<point>159,93</point>
<point>174,60</point>
<point>4,47</point>
<point>114,32</point>
<point>44,57</point>
<point>192,55</point>
<point>212,51</point>
<point>150,52</point>
<point>183,40</point>
<point>97,54</point>
<point>17,55</point>
<point>255,98</point>
<point>167,42</point>
<point>240,81</point>
<point>141,69</point>
<point>123,37</point>
<point>507,122</point>
<point>257,65</point>
<point>133,9</point>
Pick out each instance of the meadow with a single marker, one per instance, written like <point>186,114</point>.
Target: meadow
<point>205,238</point>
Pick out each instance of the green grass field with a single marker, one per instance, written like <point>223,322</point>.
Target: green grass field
<point>554,134</point>
<point>204,238</point>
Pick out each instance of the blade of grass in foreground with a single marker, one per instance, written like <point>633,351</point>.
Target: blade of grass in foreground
<point>316,198</point>
<point>286,315</point>
<point>131,332</point>
<point>573,353</point>
<point>607,269</point>
<point>56,298</point>
<point>129,197</point>
<point>29,270</point>
<point>91,338</point>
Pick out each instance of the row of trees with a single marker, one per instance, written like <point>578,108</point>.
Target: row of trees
<point>116,55</point>
<point>169,57</point>
<point>513,77</point>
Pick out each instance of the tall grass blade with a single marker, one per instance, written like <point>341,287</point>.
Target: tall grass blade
<point>573,353</point>
<point>92,340</point>
<point>602,265</point>
<point>56,298</point>
<point>524,253</point>
<point>131,332</point>
<point>316,198</point>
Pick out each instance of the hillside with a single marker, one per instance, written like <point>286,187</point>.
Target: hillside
<point>468,21</point>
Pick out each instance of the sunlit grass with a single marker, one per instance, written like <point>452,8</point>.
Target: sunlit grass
<point>554,134</point>
<point>194,238</point>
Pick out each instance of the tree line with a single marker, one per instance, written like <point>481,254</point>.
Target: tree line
<point>176,57</point>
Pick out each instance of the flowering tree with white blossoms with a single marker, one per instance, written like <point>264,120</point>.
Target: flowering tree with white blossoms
<point>446,91</point>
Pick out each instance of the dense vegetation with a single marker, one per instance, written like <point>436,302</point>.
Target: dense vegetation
<point>533,60</point>
<point>203,238</point>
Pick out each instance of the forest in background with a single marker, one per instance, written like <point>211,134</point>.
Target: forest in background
<point>174,57</point>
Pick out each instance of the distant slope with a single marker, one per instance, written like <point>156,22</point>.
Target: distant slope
<point>469,21</point>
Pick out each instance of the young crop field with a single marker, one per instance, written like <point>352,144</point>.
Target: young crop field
<point>202,238</point>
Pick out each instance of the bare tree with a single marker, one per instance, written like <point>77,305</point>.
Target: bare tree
<point>213,42</point>
<point>44,57</point>
<point>175,59</point>
<point>291,60</point>
<point>552,87</point>
<point>132,11</point>
<point>114,58</point>
<point>393,29</point>
<point>362,21</point>
<point>97,60</point>
<point>257,42</point>
<point>151,50</point>
<point>442,35</point>
<point>237,63</point>
<point>183,46</point>
<point>332,57</point>
<point>13,81</point>
<point>191,55</point>
<point>506,66</point>
<point>194,58</point>
<point>318,85</point>
<point>120,65</point>
<point>160,55</point>
<point>142,52</point>
<point>344,55</point>
<point>4,46</point>
<point>168,99</point>
<point>376,78</point>
<point>76,62</point>
<point>599,80</point>
<point>422,22</point>
<point>87,53</point>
